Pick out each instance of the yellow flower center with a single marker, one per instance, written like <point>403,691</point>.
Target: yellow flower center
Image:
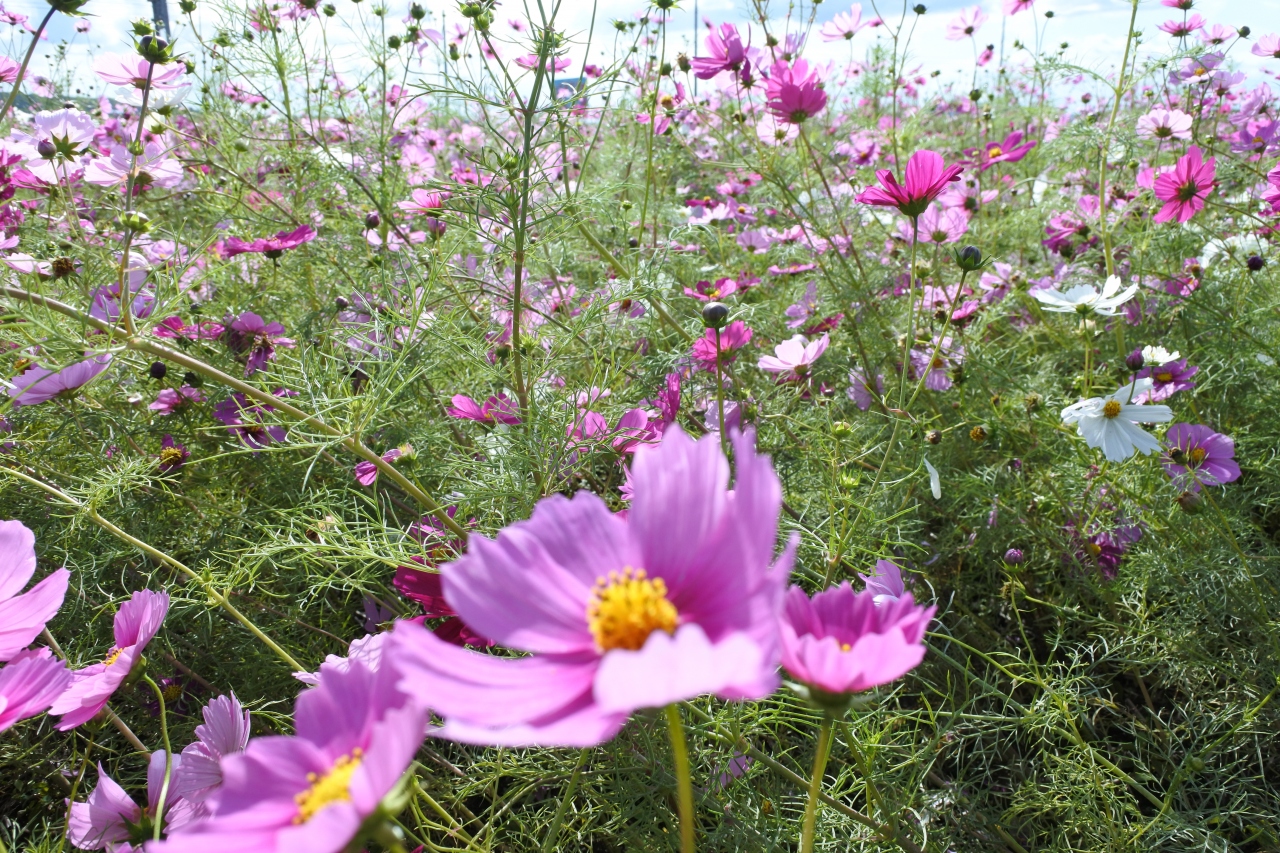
<point>1197,455</point>
<point>627,607</point>
<point>328,789</point>
<point>112,656</point>
<point>170,456</point>
<point>845,647</point>
<point>1164,376</point>
<point>994,151</point>
<point>1111,409</point>
<point>1093,548</point>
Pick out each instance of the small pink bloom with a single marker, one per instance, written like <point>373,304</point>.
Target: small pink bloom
<point>111,820</point>
<point>794,92</point>
<point>23,614</point>
<point>272,247</point>
<point>839,642</point>
<point>136,624</point>
<point>1013,7</point>
<point>886,583</point>
<point>169,400</point>
<point>846,25</point>
<point>225,732</point>
<point>793,358</point>
<point>1182,29</point>
<point>496,410</point>
<point>1165,124</point>
<point>367,473</point>
<point>1184,190</point>
<point>727,54</point>
<point>129,69</point>
<point>733,337</point>
<point>966,24</point>
<point>1267,46</point>
<point>927,175</point>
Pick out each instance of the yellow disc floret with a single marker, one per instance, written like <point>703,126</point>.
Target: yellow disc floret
<point>1111,408</point>
<point>627,607</point>
<point>332,787</point>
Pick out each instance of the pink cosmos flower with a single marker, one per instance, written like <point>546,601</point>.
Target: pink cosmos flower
<point>839,642</point>
<point>1273,195</point>
<point>553,64</point>
<point>23,614</point>
<point>245,421</point>
<point>424,202</point>
<point>1182,29</point>
<point>38,384</point>
<point>938,226</point>
<point>705,291</point>
<point>130,69</point>
<point>934,368</point>
<point>272,247</point>
<point>886,584</point>
<point>174,327</point>
<point>794,92</point>
<point>846,25</point>
<point>496,410</point>
<point>315,790</point>
<point>678,600</point>
<point>427,590</point>
<point>28,685</point>
<point>860,390</point>
<point>727,54</point>
<point>1013,7</point>
<point>110,818</point>
<point>793,358</point>
<point>1268,45</point>
<point>172,455</point>
<point>9,69</point>
<point>927,176</point>
<point>966,24</point>
<point>249,333</point>
<point>366,473</point>
<point>1165,124</point>
<point>225,732</point>
<point>106,300</point>
<point>1184,5</point>
<point>155,169</point>
<point>136,623</point>
<point>169,400</point>
<point>1185,189</point>
<point>1008,151</point>
<point>1198,455</point>
<point>1166,380</point>
<point>733,337</point>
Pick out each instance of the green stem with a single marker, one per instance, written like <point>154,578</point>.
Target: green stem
<point>724,441</point>
<point>168,759</point>
<point>1106,145</point>
<point>22,70</point>
<point>553,833</point>
<point>911,314</point>
<point>815,784</point>
<point>684,783</point>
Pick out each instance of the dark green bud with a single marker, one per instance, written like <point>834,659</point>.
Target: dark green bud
<point>715,315</point>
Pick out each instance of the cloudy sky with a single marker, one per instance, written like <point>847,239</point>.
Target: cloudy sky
<point>1094,29</point>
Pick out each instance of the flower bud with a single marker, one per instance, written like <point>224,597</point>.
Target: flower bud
<point>918,9</point>
<point>1255,263</point>
<point>195,380</point>
<point>372,220</point>
<point>417,12</point>
<point>683,63</point>
<point>715,315</point>
<point>978,434</point>
<point>1014,556</point>
<point>136,221</point>
<point>1134,360</point>
<point>1244,32</point>
<point>394,42</point>
<point>46,149</point>
<point>1032,401</point>
<point>329,10</point>
<point>342,303</point>
<point>933,436</point>
<point>970,259</point>
<point>155,50</point>
<point>158,370</point>
<point>1190,503</point>
<point>187,6</point>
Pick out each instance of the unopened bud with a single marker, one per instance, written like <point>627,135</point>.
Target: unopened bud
<point>136,221</point>
<point>970,259</point>
<point>1244,32</point>
<point>1255,263</point>
<point>158,370</point>
<point>1190,503</point>
<point>933,436</point>
<point>372,220</point>
<point>1134,360</point>
<point>714,315</point>
<point>46,149</point>
<point>918,9</point>
<point>1014,556</point>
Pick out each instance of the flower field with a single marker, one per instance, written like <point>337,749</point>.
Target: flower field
<point>511,427</point>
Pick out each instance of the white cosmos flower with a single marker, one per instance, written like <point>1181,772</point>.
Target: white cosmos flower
<point>1085,298</point>
<point>1110,423</point>
<point>157,99</point>
<point>1158,356</point>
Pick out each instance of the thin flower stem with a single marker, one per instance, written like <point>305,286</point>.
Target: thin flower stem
<point>724,441</point>
<point>124,729</point>
<point>684,783</point>
<point>909,341</point>
<point>22,70</point>
<point>1107,254</point>
<point>350,442</point>
<point>168,758</point>
<point>162,557</point>
<point>75,786</point>
<point>553,832</point>
<point>815,784</point>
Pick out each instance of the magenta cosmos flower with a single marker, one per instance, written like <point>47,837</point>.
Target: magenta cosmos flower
<point>39,385</point>
<point>733,337</point>
<point>225,732</point>
<point>1273,194</point>
<point>678,600</point>
<point>1010,150</point>
<point>728,53</point>
<point>272,247</point>
<point>927,176</point>
<point>1198,455</point>
<point>28,685</point>
<point>250,334</point>
<point>495,410</point>
<point>1184,190</point>
<point>793,358</point>
<point>245,421</point>
<point>170,400</point>
<point>1166,380</point>
<point>23,614</point>
<point>426,588</point>
<point>136,624</point>
<point>840,642</point>
<point>366,473</point>
<point>794,92</point>
<point>885,585</point>
<point>110,818</point>
<point>313,791</point>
